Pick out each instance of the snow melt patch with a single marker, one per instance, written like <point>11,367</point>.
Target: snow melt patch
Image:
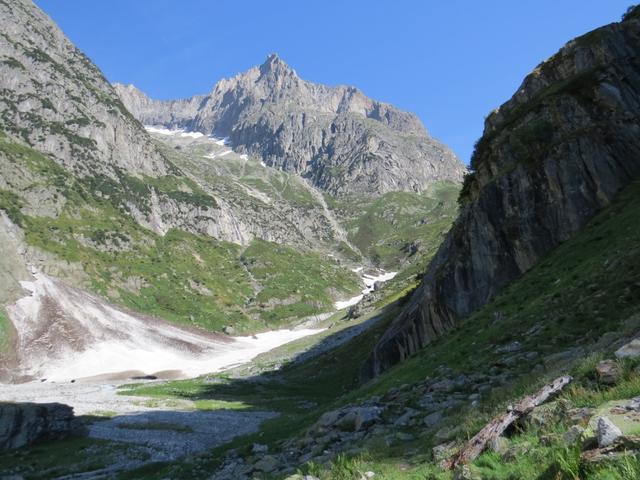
<point>369,281</point>
<point>178,132</point>
<point>214,155</point>
<point>222,141</point>
<point>65,333</point>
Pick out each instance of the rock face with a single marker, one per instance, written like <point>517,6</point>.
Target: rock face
<point>339,139</point>
<point>55,99</point>
<point>23,424</point>
<point>550,158</point>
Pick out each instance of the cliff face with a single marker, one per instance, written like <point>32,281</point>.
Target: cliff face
<point>338,138</point>
<point>549,159</point>
<point>54,99</point>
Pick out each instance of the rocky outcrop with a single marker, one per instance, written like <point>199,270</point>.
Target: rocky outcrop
<point>23,424</point>
<point>53,98</point>
<point>339,139</point>
<point>549,159</point>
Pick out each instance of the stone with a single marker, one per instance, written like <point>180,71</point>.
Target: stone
<point>465,472</point>
<point>229,330</point>
<point>607,432</point>
<point>608,371</point>
<point>23,424</point>
<point>633,404</point>
<point>499,445</point>
<point>580,416</point>
<point>433,419</point>
<point>404,419</point>
<point>516,451</point>
<point>629,350</point>
<point>573,434</point>
<point>443,451</point>
<point>404,437</point>
<point>267,464</point>
<point>259,448</point>
<point>358,417</point>
<point>445,385</point>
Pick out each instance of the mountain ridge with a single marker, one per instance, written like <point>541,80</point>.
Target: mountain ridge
<point>336,137</point>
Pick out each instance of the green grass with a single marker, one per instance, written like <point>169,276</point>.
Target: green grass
<point>389,229</point>
<point>581,291</point>
<point>5,332</point>
<point>54,459</point>
<point>181,277</point>
<point>295,284</point>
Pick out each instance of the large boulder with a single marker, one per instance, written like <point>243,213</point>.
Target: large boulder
<point>23,424</point>
<point>607,432</point>
<point>629,350</point>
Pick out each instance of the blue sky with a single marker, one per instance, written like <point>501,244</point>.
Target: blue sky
<point>450,62</point>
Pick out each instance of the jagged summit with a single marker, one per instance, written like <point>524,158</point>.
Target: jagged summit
<point>276,66</point>
<point>338,138</point>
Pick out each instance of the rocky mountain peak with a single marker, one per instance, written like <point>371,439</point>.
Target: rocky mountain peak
<point>275,66</point>
<point>336,137</point>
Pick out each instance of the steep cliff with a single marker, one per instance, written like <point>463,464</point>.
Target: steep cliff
<point>53,98</point>
<point>339,139</point>
<point>549,159</point>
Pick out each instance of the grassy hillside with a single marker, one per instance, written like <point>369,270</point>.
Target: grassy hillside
<point>180,276</point>
<point>399,228</point>
<point>565,313</point>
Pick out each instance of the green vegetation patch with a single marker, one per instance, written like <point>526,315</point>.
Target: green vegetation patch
<point>295,283</point>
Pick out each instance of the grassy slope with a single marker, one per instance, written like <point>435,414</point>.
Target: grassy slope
<point>180,277</point>
<point>399,228</point>
<point>588,286</point>
<point>5,332</point>
<point>296,285</point>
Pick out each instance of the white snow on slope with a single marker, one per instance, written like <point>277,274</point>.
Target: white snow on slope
<point>65,333</point>
<point>214,155</point>
<point>165,131</point>
<point>369,281</point>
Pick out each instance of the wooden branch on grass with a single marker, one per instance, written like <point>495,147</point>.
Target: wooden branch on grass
<point>499,424</point>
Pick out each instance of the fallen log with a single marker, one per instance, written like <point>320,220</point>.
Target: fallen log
<point>499,424</point>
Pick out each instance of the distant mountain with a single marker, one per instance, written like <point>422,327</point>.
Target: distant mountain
<point>339,139</point>
<point>549,159</point>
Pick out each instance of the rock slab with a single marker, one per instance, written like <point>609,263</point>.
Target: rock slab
<point>22,424</point>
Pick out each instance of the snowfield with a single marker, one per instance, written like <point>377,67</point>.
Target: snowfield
<point>369,281</point>
<point>64,334</point>
<point>166,131</point>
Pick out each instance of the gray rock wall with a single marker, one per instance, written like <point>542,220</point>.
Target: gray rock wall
<point>550,158</point>
<point>22,424</point>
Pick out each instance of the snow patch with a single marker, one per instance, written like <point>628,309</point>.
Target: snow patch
<point>177,132</point>
<point>64,333</point>
<point>369,281</point>
<point>222,141</point>
<point>214,155</point>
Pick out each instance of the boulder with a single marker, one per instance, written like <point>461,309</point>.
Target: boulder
<point>358,417</point>
<point>499,445</point>
<point>443,451</point>
<point>607,432</point>
<point>266,464</point>
<point>629,350</point>
<point>23,424</point>
<point>433,419</point>
<point>608,371</point>
<point>573,435</point>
